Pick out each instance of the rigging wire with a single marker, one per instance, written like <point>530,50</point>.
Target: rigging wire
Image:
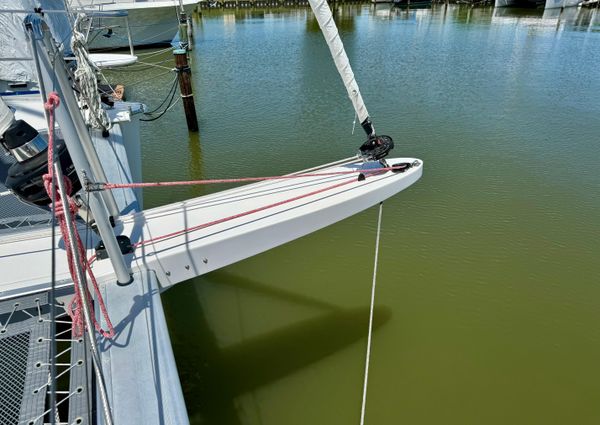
<point>156,65</point>
<point>53,300</point>
<point>87,240</point>
<point>369,337</point>
<point>155,53</point>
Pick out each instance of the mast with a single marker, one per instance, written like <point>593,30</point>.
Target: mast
<point>329,29</point>
<point>81,150</point>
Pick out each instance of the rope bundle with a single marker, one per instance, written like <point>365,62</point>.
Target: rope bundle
<point>74,308</point>
<point>85,75</point>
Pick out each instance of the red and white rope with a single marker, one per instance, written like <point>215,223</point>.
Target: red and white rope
<point>74,308</point>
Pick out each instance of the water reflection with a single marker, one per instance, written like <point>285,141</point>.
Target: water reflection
<point>570,18</point>
<point>554,19</point>
<point>343,15</point>
<point>215,375</point>
<point>195,163</point>
<point>496,243</point>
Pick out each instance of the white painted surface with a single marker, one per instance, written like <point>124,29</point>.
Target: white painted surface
<point>25,255</point>
<point>139,367</point>
<point>112,60</point>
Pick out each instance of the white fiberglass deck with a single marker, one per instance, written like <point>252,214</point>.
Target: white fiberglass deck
<point>25,256</point>
<point>141,338</point>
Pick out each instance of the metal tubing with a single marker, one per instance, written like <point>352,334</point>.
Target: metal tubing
<point>129,35</point>
<point>80,126</point>
<point>77,153</point>
<point>58,176</point>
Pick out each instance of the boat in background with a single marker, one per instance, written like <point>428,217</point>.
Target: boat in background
<point>115,24</point>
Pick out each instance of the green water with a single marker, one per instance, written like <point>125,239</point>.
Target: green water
<point>489,279</point>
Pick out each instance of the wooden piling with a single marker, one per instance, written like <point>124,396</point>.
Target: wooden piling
<point>184,74</point>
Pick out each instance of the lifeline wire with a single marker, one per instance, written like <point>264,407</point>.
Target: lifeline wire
<point>368,357</point>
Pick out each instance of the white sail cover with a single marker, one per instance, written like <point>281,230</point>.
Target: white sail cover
<point>15,57</point>
<point>330,32</point>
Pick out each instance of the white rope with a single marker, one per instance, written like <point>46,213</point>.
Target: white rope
<point>368,357</point>
<point>85,74</point>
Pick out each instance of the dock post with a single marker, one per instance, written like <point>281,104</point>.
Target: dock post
<point>185,86</point>
<point>183,30</point>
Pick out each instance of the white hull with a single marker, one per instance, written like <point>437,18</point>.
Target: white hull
<point>154,22</point>
<point>194,253</point>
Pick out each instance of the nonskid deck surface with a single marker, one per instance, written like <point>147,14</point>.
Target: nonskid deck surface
<point>223,227</point>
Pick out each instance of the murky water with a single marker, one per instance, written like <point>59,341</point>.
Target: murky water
<point>489,280</point>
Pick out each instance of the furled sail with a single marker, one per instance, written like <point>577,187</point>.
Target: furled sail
<point>330,32</point>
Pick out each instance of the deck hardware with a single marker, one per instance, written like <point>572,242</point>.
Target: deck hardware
<point>124,245</point>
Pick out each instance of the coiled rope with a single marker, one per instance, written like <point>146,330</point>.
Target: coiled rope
<point>85,74</point>
<point>74,307</point>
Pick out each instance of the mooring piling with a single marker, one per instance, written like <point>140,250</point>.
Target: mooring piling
<point>184,74</point>
<point>183,30</point>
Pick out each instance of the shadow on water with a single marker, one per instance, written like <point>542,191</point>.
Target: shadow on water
<point>212,377</point>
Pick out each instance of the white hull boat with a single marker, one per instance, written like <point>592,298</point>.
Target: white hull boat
<point>150,22</point>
